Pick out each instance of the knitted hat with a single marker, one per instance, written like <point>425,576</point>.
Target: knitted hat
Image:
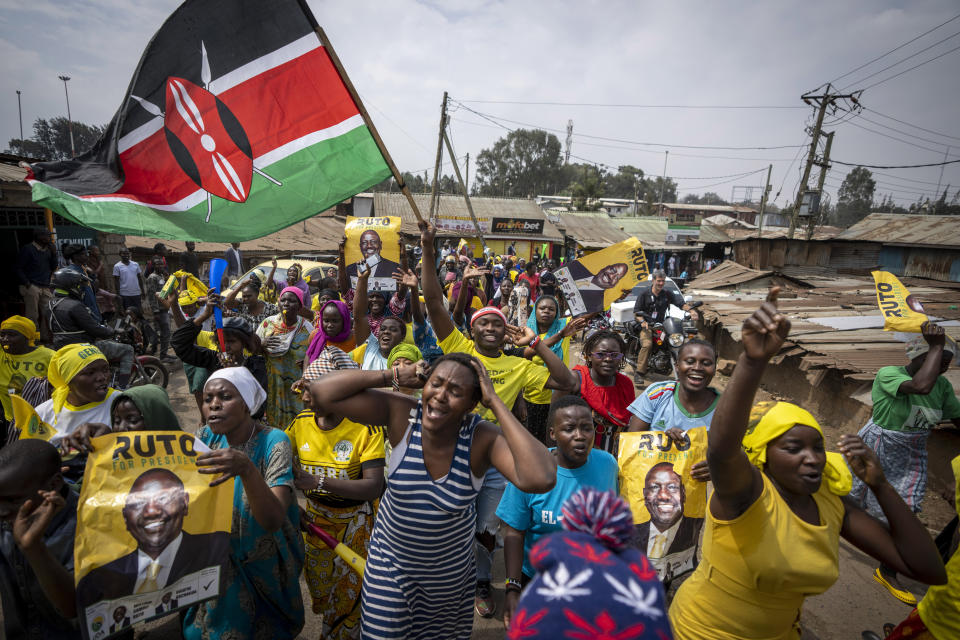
<point>590,581</point>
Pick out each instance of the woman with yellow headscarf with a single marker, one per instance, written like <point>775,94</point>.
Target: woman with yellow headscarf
<point>778,510</point>
<point>80,375</point>
<point>20,359</point>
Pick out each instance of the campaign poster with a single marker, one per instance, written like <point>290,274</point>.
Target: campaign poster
<point>668,505</point>
<point>594,282</point>
<point>152,535</point>
<point>375,242</point>
<point>901,310</point>
<point>28,421</point>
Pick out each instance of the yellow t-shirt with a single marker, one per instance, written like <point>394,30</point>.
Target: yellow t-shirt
<point>16,370</point>
<point>510,374</point>
<point>939,609</point>
<point>342,452</point>
<point>545,396</point>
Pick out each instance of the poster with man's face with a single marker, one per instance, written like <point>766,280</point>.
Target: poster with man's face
<point>152,535</point>
<point>668,505</point>
<point>375,242</point>
<point>594,282</point>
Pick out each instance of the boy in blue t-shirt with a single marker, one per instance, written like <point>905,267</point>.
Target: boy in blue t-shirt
<point>527,517</point>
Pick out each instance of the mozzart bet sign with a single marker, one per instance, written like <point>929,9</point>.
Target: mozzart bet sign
<point>517,225</point>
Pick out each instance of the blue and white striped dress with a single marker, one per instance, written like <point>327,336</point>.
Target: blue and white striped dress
<point>420,576</point>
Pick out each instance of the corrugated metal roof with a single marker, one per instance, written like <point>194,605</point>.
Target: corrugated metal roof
<point>453,207</point>
<point>906,229</point>
<point>727,274</point>
<point>12,173</point>
<point>710,233</point>
<point>824,232</point>
<point>706,207</point>
<point>591,229</point>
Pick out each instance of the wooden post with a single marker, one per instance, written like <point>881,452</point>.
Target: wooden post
<point>366,118</point>
<point>434,196</point>
<point>466,196</point>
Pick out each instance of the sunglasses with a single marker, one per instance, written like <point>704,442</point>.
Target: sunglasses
<point>607,355</point>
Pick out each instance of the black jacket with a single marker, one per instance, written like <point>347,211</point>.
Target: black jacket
<point>653,308</point>
<point>72,322</point>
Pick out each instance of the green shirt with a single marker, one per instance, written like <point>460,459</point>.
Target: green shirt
<point>911,412</point>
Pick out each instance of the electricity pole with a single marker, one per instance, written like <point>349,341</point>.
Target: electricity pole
<point>466,178</point>
<point>20,114</point>
<point>824,165</point>
<point>763,202</point>
<point>73,150</point>
<point>436,166</point>
<point>663,181</point>
<point>823,102</point>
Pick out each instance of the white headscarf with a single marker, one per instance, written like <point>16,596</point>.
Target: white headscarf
<point>247,386</point>
<point>919,346</point>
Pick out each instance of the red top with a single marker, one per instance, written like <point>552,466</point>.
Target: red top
<point>609,404</point>
<point>534,282</point>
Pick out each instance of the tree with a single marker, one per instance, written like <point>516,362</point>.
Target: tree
<point>524,163</point>
<point>651,194</point>
<point>586,192</point>
<point>51,139</point>
<point>627,182</point>
<point>855,197</point>
<point>709,197</point>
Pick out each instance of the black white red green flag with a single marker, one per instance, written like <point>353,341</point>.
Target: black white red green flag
<point>236,124</point>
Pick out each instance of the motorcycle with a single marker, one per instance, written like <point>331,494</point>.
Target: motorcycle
<point>146,369</point>
<point>668,336</point>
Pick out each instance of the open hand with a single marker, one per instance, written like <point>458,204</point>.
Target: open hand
<point>486,385</point>
<point>427,234</point>
<point>765,331</point>
<point>227,462</point>
<point>520,336</point>
<point>34,517</point>
<point>474,272</point>
<point>575,325</point>
<point>303,480</point>
<point>412,376</point>
<point>862,460</point>
<point>407,278</point>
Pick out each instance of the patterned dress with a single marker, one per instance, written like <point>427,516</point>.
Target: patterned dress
<point>262,600</point>
<point>283,369</point>
<point>420,576</point>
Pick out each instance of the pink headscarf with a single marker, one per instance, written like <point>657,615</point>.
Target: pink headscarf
<point>320,338</point>
<point>294,290</point>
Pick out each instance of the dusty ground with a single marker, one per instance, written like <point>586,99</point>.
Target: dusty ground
<point>853,604</point>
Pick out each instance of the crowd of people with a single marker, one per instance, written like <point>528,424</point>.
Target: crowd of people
<point>435,425</point>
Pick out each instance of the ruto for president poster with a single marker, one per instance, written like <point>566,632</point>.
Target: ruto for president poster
<point>594,282</point>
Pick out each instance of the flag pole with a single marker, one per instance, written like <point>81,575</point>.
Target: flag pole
<point>366,118</point>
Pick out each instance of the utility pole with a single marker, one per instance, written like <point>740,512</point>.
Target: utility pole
<point>823,102</point>
<point>663,181</point>
<point>20,114</point>
<point>466,196</point>
<point>937,192</point>
<point>763,201</point>
<point>73,150</point>
<point>436,166</point>
<point>824,165</point>
<point>566,155</point>
<point>466,179</point>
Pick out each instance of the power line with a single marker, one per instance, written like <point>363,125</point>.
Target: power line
<point>895,166</point>
<point>884,55</point>
<point>631,106</point>
<point>715,184</point>
<point>906,133</point>
<point>936,133</point>
<point>910,69</point>
<point>912,144</point>
<point>494,119</point>
<point>912,55</point>
<point>904,179</point>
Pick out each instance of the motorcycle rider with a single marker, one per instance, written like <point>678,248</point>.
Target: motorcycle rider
<point>71,321</point>
<point>652,306</point>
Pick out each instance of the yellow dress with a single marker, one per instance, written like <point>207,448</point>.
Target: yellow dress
<point>757,569</point>
<point>940,608</point>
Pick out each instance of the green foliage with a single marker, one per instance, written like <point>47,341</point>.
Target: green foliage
<point>855,197</point>
<point>586,192</point>
<point>708,198</point>
<point>522,164</point>
<point>419,184</point>
<point>51,139</point>
<point>627,182</point>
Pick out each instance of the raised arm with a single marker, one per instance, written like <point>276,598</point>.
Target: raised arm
<point>924,379</point>
<point>31,521</point>
<point>561,378</point>
<point>432,291</point>
<point>736,481</point>
<point>361,326</point>
<point>408,279</point>
<point>571,328</point>
<point>511,449</point>
<point>343,281</point>
<point>230,300</point>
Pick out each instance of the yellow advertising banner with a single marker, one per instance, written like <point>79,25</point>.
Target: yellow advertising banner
<point>901,310</point>
<point>152,535</point>
<point>28,422</point>
<point>594,282</point>
<point>668,505</point>
<point>374,242</point>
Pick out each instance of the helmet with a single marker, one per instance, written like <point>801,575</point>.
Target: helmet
<point>70,281</point>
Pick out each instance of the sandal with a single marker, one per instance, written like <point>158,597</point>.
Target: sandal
<point>902,595</point>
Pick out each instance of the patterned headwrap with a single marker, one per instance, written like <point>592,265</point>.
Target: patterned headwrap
<point>320,338</point>
<point>770,420</point>
<point>591,582</point>
<point>22,325</point>
<point>64,366</point>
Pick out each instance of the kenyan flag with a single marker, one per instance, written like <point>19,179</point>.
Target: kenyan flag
<point>236,124</point>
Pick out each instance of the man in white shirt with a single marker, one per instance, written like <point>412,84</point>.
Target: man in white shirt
<point>128,279</point>
<point>154,511</point>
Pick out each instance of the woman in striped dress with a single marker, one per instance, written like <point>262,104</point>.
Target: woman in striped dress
<point>420,575</point>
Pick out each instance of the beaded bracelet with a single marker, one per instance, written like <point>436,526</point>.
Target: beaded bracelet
<point>512,583</point>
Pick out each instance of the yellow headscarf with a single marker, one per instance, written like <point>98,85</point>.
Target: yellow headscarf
<point>22,325</point>
<point>770,420</point>
<point>187,298</point>
<point>65,365</point>
<point>404,350</point>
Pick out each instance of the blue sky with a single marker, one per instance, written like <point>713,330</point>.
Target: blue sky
<point>403,54</point>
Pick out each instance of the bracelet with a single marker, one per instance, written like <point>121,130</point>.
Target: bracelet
<point>533,343</point>
<point>512,583</point>
<point>385,378</point>
<point>320,480</point>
